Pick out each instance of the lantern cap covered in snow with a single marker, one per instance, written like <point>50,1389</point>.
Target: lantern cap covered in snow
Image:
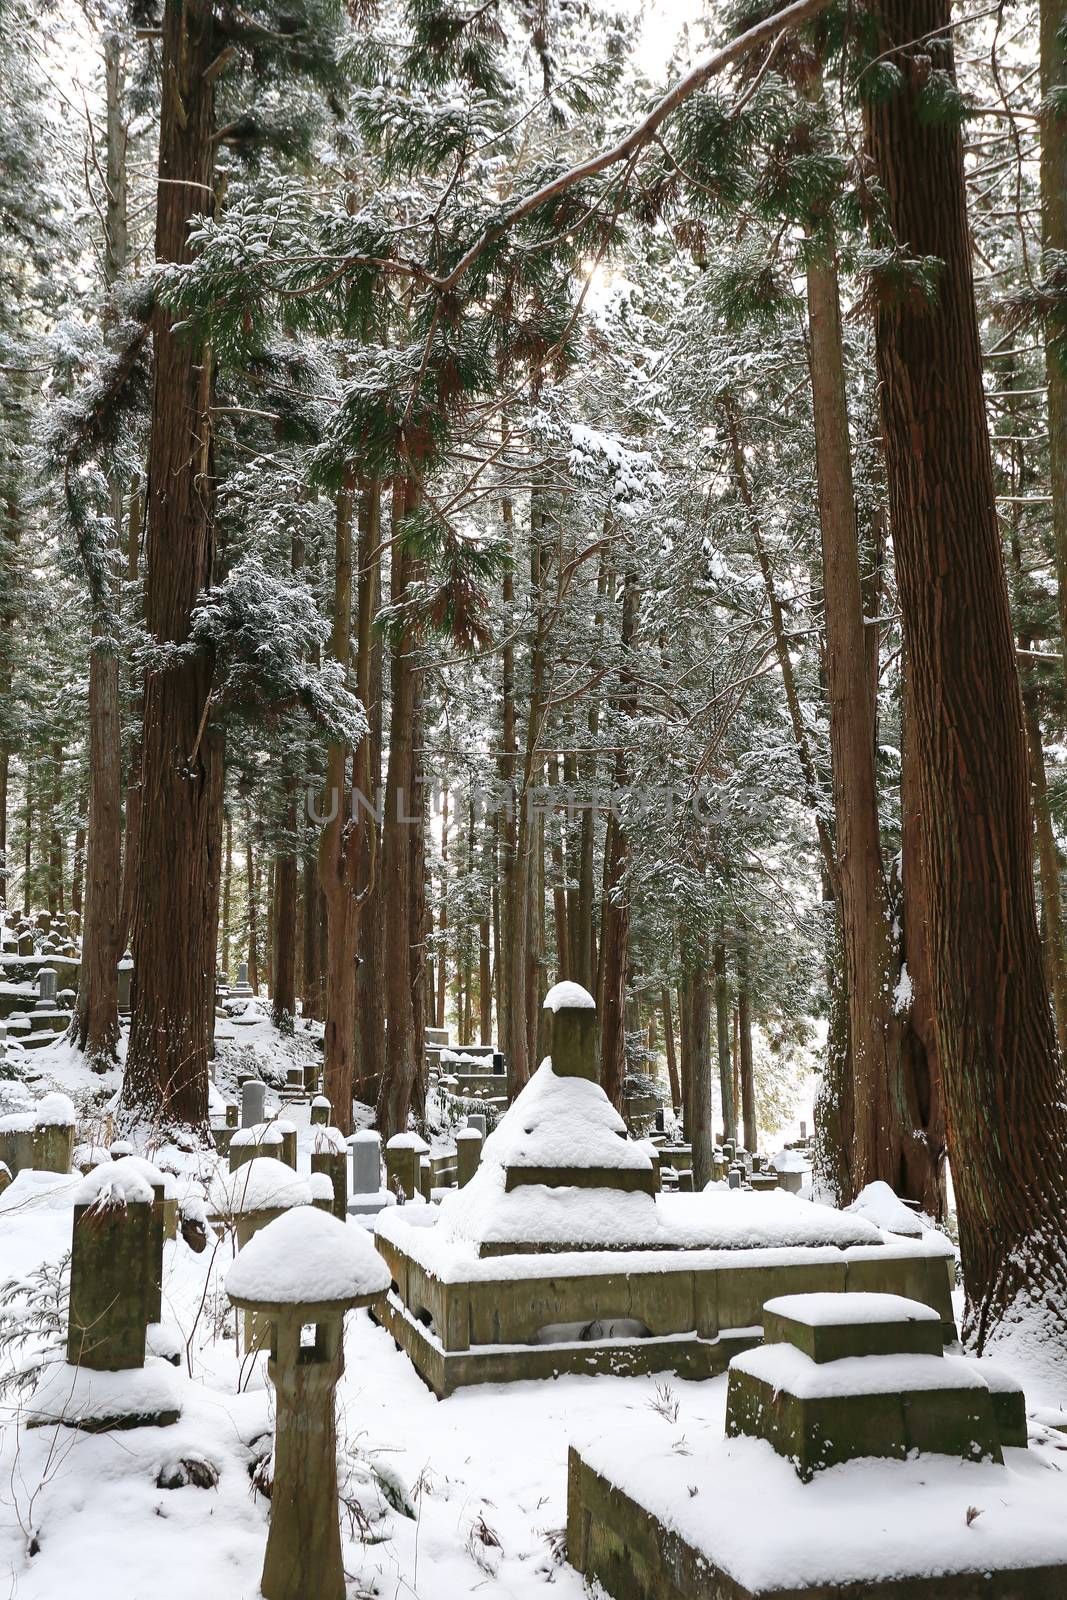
<point>306,1258</point>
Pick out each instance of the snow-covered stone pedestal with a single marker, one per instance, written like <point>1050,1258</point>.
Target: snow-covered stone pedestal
<point>785,1507</point>
<point>301,1274</point>
<point>114,1289</point>
<point>559,1256</point>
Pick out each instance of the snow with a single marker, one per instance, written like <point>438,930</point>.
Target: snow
<point>262,1184</point>
<point>841,1310</point>
<point>878,1203</point>
<point>727,1228</point>
<point>488,1463</point>
<point>365,1136</point>
<point>113,1183</point>
<point>408,1141</point>
<point>562,1122</point>
<point>40,1191</point>
<point>78,1394</point>
<point>861,1523</point>
<point>306,1257</point>
<point>328,1141</point>
<point>902,994</point>
<point>260,1133</point>
<point>55,1110</point>
<point>152,1174</point>
<point>569,996</point>
<point>791,1161</point>
<point>789,1370</point>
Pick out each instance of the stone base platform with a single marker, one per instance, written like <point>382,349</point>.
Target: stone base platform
<point>662,1540</point>
<point>505,1318</point>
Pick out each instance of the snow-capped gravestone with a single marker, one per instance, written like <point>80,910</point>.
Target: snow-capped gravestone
<point>253,1102</point>
<point>468,1154</point>
<point>303,1272</point>
<point>559,1254</point>
<point>260,1139</point>
<point>104,1382</point>
<point>368,1197</point>
<point>321,1112</point>
<point>403,1154</point>
<point>42,1139</point>
<point>329,1155</point>
<point>839,1378</point>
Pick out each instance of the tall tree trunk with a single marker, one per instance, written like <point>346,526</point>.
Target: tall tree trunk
<point>442,919</point>
<point>252,903</point>
<point>668,1045</point>
<point>348,844</point>
<point>866,918</point>
<point>701,1130</point>
<point>1053,74</point>
<point>744,1055</point>
<point>94,1028</point>
<point>615,916</point>
<point>398,1079</point>
<point>179,827</point>
<point>55,832</point>
<point>225,947</point>
<point>284,964</point>
<point>722,1034</point>
<point>1001,1075</point>
<point>370,991</point>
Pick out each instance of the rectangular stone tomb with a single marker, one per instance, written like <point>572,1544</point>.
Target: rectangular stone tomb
<point>719,1522</point>
<point>464,1320</point>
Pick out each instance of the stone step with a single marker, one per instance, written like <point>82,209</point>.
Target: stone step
<point>820,1414</point>
<point>828,1327</point>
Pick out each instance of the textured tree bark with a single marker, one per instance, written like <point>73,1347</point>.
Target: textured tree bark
<point>348,845</point>
<point>924,1142</point>
<point>744,1054</point>
<point>95,1025</point>
<point>283,1008</point>
<point>700,1127</point>
<point>1053,74</point>
<point>668,1045</point>
<point>227,894</point>
<point>252,902</point>
<point>722,1036</point>
<point>370,984</point>
<point>615,913</point>
<point>866,921</point>
<point>398,1079</point>
<point>55,836</point>
<point>441,995</point>
<point>1001,1075</point>
<point>1048,867</point>
<point>179,825</point>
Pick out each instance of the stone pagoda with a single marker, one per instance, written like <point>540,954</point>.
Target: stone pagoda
<point>559,1255</point>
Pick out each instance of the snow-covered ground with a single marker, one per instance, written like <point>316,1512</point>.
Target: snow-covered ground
<point>442,1500</point>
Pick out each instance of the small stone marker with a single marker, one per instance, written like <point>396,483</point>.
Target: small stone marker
<point>402,1165</point>
<point>110,1269</point>
<point>279,1276</point>
<point>366,1162</point>
<point>253,1102</point>
<point>321,1112</point>
<point>125,975</point>
<point>477,1119</point>
<point>46,989</point>
<point>329,1154</point>
<point>573,1031</point>
<point>425,1178</point>
<point>733,1178</point>
<point>468,1154</point>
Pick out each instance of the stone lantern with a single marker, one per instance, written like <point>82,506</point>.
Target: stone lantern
<point>301,1273</point>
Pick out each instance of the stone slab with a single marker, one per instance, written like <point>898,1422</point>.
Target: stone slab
<point>621,1544</point>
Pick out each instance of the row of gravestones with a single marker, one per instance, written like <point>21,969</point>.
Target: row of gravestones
<point>410,1169</point>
